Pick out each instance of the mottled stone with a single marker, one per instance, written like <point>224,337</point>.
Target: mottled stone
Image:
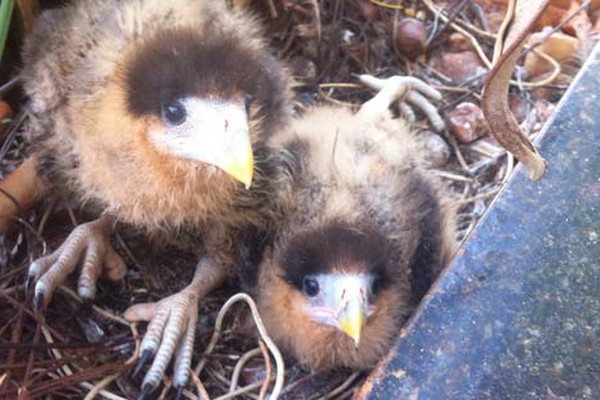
<point>467,122</point>
<point>462,66</point>
<point>517,316</point>
<point>457,42</point>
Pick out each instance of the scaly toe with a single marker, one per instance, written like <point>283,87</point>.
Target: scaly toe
<point>90,240</point>
<point>87,294</point>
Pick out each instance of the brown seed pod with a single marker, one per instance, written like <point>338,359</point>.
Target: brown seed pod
<point>411,37</point>
<point>368,10</point>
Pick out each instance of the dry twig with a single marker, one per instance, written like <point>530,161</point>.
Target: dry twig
<point>280,366</point>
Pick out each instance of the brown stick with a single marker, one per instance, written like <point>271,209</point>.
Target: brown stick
<point>495,106</point>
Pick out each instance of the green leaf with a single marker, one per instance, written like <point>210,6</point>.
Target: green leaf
<point>6,10</point>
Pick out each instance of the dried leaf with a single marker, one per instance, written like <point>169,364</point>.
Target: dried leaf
<point>580,24</point>
<point>28,9</point>
<point>22,186</point>
<point>558,46</point>
<point>495,106</point>
<point>6,113</point>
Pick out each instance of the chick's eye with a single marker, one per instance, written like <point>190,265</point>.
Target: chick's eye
<point>174,113</point>
<point>310,286</point>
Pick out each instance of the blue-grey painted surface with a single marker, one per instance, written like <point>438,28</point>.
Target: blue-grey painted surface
<point>517,316</point>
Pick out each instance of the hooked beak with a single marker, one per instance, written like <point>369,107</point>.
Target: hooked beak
<point>352,318</point>
<point>342,302</point>
<point>227,125</point>
<point>237,159</point>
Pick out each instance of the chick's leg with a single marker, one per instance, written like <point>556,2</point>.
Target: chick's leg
<point>405,90</point>
<point>90,242</point>
<point>172,326</point>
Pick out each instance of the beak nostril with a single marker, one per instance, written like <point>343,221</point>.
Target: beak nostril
<point>226,125</point>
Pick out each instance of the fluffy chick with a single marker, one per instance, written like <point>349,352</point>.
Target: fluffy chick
<point>363,229</point>
<point>149,112</point>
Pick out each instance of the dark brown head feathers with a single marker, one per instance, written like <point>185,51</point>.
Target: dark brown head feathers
<point>428,259</point>
<point>337,248</point>
<point>180,62</point>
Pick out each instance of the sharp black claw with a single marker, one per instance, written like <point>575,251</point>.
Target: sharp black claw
<point>146,390</point>
<point>28,284</point>
<point>180,392</point>
<point>146,354</point>
<point>86,303</point>
<point>38,303</point>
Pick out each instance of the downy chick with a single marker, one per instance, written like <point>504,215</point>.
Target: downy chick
<point>363,229</point>
<point>155,114</point>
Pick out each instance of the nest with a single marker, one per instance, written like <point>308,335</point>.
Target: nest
<point>80,350</point>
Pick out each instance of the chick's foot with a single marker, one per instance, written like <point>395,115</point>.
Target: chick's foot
<point>88,242</point>
<point>172,327</point>
<point>170,333</point>
<point>405,90</point>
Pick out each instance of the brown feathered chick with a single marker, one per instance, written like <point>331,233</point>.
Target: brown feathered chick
<point>152,113</point>
<point>363,230</point>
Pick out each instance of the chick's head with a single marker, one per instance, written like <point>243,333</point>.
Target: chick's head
<point>204,96</point>
<point>334,298</point>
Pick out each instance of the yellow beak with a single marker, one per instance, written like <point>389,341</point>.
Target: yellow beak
<point>239,160</point>
<point>353,318</point>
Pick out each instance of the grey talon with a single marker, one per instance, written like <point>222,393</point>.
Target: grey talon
<point>38,303</point>
<point>180,392</point>
<point>146,390</point>
<point>146,354</point>
<point>29,280</point>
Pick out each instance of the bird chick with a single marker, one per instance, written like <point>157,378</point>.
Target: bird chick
<point>363,230</point>
<point>154,114</point>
